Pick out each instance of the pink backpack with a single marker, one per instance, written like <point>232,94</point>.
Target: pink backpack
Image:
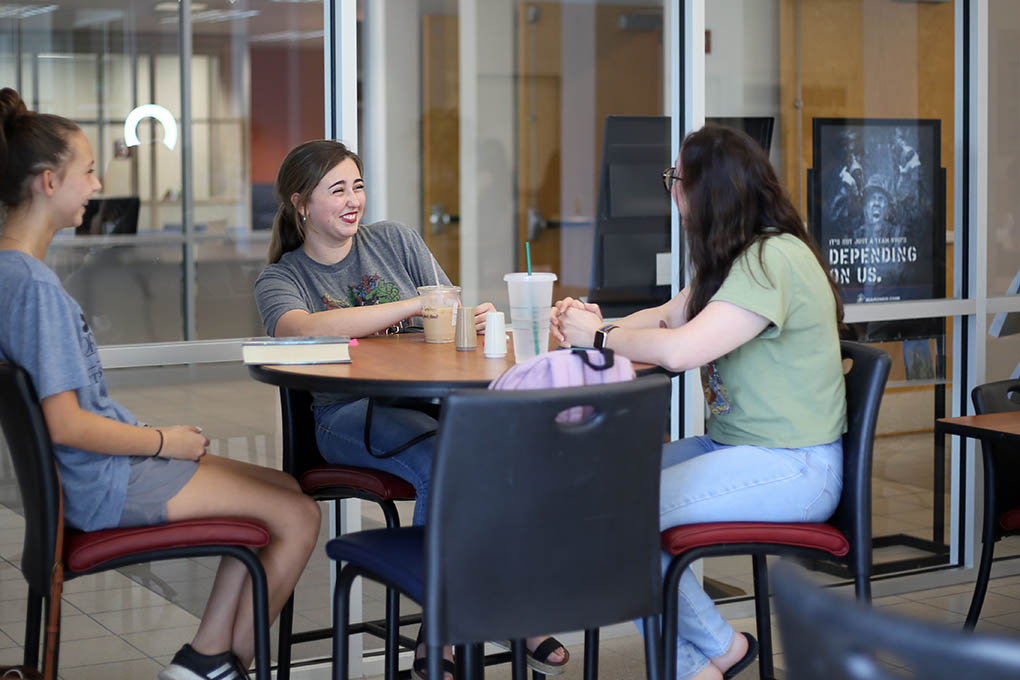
<point>566,368</point>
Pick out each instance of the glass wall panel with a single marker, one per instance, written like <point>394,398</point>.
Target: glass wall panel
<point>256,78</point>
<point>1003,152</point>
<point>854,103</point>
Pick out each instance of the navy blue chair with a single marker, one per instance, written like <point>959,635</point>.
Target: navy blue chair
<point>535,525</point>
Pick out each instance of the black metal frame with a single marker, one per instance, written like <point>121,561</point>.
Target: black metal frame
<point>245,555</point>
<point>295,462</point>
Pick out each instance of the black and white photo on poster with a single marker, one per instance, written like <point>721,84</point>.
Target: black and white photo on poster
<point>878,207</point>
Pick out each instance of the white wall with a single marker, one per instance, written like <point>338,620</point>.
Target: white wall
<point>742,70</point>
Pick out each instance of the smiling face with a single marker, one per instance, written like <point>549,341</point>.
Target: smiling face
<point>336,205</point>
<point>76,182</point>
<point>875,207</point>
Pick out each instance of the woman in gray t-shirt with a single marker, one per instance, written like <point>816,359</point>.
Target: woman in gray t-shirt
<point>329,274</point>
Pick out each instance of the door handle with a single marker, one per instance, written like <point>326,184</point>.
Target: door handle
<point>439,219</point>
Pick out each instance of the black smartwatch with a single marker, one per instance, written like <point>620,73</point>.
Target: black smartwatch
<point>602,334</point>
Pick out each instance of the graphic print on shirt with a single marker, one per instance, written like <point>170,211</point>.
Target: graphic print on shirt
<point>90,351</point>
<point>372,290</point>
<point>715,390</point>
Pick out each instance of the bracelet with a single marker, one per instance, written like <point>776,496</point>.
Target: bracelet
<point>160,449</point>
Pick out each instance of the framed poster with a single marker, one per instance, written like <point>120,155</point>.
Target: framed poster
<point>877,210</point>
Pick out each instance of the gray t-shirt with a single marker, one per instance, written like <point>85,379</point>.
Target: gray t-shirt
<point>43,330</point>
<point>387,263</point>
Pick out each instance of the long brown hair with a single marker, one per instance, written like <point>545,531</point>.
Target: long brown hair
<point>301,171</point>
<point>30,143</point>
<point>734,200</point>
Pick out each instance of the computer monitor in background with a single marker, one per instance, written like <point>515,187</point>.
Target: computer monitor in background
<point>632,217</point>
<point>263,205</point>
<point>110,216</point>
<point>758,128</point>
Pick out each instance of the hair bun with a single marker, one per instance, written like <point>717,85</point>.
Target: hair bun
<point>12,107</point>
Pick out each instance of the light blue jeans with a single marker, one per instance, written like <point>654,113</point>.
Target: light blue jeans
<point>340,433</point>
<point>704,481</point>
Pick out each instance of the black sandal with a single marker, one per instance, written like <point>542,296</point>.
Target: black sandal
<point>420,667</point>
<point>749,656</point>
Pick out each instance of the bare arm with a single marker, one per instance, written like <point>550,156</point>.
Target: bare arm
<point>672,313</point>
<point>717,330</point>
<point>353,321</point>
<point>70,425</point>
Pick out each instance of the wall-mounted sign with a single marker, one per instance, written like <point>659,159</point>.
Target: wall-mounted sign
<point>156,111</point>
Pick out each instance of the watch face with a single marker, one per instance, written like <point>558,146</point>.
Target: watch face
<point>600,339</point>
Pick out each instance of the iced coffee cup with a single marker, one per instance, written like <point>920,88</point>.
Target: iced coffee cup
<point>439,311</point>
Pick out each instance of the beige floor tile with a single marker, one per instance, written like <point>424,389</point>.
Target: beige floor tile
<point>146,619</point>
<point>132,597</point>
<point>167,642</point>
<point>137,669</point>
<point>94,651</point>
<point>994,604</point>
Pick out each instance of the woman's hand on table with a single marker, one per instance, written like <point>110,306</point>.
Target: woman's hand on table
<point>480,312</point>
<point>183,442</point>
<point>558,310</point>
<point>576,326</point>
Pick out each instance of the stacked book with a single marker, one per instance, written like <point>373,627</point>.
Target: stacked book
<point>297,350</point>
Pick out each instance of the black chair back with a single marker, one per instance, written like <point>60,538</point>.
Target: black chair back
<point>865,384</point>
<point>300,450</point>
<point>1000,397</point>
<point>540,526</point>
<point>826,636</point>
<point>31,451</point>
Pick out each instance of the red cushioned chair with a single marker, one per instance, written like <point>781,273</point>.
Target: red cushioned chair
<point>1002,470</point>
<point>845,538</point>
<point>90,552</point>
<point>328,482</point>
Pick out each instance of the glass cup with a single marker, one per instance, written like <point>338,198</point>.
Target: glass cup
<point>439,311</point>
<point>530,300</point>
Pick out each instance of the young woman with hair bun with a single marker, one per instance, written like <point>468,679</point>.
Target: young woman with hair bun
<point>114,471</point>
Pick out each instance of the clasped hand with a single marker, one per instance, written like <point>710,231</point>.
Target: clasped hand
<point>573,323</point>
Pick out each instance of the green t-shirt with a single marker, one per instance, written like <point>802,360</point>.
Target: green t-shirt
<point>784,388</point>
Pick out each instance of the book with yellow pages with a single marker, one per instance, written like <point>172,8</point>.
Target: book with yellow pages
<point>297,350</point>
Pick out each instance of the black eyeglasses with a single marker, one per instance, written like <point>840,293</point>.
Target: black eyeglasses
<point>669,176</point>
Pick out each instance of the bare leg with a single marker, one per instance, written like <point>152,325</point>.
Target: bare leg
<point>226,488</point>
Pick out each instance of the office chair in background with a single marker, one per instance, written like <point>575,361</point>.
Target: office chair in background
<point>833,638</point>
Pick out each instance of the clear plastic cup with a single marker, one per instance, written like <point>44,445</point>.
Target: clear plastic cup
<point>439,311</point>
<point>530,300</point>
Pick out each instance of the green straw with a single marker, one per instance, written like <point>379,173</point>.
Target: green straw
<point>534,309</point>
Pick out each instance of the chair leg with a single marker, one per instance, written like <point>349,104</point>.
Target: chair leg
<point>260,608</point>
<point>392,633</point>
<point>763,617</point>
<point>653,648</point>
<point>473,662</point>
<point>32,624</point>
<point>341,616</point>
<point>283,647</point>
<point>987,547</point>
<point>591,654</point>
<point>670,609</point>
<point>519,653</point>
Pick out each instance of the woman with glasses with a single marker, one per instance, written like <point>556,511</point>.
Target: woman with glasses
<point>761,320</point>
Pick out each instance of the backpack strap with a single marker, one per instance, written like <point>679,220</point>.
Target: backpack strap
<point>394,451</point>
<point>607,354</point>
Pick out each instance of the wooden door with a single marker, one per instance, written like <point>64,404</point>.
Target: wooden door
<point>441,140</point>
<point>628,77</point>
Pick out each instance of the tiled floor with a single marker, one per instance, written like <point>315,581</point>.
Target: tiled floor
<point>128,624</point>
